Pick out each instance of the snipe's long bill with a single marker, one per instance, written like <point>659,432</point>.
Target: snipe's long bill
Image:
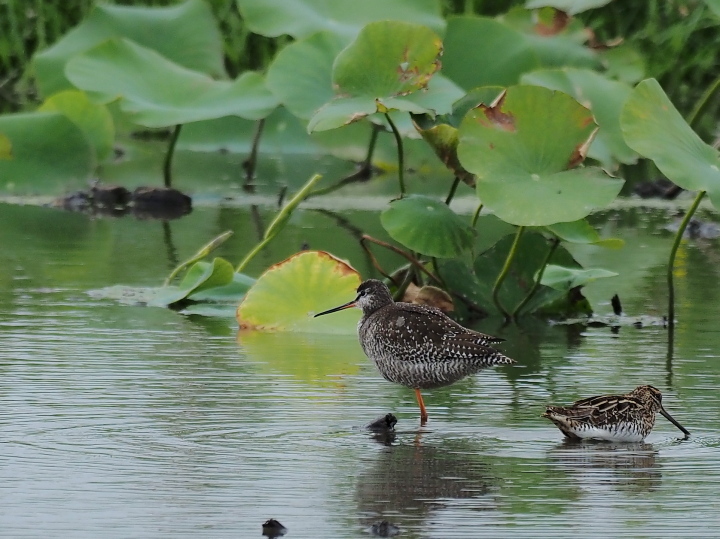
<point>617,418</point>
<point>418,346</point>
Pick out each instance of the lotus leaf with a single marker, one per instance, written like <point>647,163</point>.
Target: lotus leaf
<point>654,128</point>
<point>156,92</point>
<point>186,34</point>
<point>521,147</point>
<point>288,294</point>
<point>43,149</point>
<point>427,226</point>
<point>344,18</point>
<point>94,120</point>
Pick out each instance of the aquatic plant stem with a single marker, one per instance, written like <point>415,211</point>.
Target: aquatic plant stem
<point>280,221</point>
<point>673,252</point>
<point>476,215</point>
<point>167,165</point>
<point>250,163</point>
<point>703,103</point>
<point>202,253</point>
<point>413,261</point>
<point>401,154</point>
<point>454,187</point>
<point>554,244</point>
<point>504,272</point>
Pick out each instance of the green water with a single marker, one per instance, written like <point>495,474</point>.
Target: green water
<point>121,421</point>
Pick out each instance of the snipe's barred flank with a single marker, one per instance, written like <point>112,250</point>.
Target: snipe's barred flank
<point>416,345</point>
<point>619,418</point>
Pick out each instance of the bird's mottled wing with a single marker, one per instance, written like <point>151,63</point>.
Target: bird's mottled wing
<point>428,332</point>
<point>601,409</point>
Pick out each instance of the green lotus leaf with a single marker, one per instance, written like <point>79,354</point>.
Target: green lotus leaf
<point>200,277</point>
<point>156,92</point>
<point>231,292</point>
<point>94,120</point>
<point>344,18</point>
<point>582,232</point>
<point>480,51</point>
<point>300,76</point>
<point>556,40</point>
<point>655,129</point>
<point>441,132</point>
<point>563,278</point>
<point>604,98</point>
<point>43,149</point>
<point>388,58</point>
<point>427,226</point>
<point>288,294</point>
<point>521,147</point>
<point>189,24</point>
<point>571,7</point>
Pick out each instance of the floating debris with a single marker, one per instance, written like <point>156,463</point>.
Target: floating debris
<point>382,424</point>
<point>384,529</point>
<point>272,528</point>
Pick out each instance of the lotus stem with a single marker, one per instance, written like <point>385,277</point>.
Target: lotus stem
<point>476,215</point>
<point>673,252</point>
<point>167,165</point>
<point>414,261</point>
<point>280,221</point>
<point>703,103</point>
<point>251,162</point>
<point>504,272</point>
<point>401,154</point>
<point>454,187</point>
<point>202,253</point>
<point>554,242</point>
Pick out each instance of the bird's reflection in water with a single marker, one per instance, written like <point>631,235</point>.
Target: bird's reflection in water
<point>410,480</point>
<point>633,466</point>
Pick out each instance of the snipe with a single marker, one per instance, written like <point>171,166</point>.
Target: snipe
<point>416,345</point>
<point>618,418</point>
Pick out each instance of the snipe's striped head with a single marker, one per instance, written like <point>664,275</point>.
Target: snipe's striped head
<point>371,296</point>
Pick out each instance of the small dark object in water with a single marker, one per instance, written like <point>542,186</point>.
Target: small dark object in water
<point>110,196</point>
<point>160,202</point>
<point>616,306</point>
<point>272,528</point>
<point>382,424</point>
<point>384,529</point>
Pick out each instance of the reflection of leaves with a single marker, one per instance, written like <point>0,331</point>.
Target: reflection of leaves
<point>289,293</point>
<point>315,360</point>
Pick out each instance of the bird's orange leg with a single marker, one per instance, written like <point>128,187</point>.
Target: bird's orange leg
<point>423,411</point>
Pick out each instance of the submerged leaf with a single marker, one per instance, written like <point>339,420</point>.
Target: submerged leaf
<point>288,294</point>
<point>582,232</point>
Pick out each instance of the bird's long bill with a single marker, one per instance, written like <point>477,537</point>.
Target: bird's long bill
<point>670,418</point>
<point>336,309</point>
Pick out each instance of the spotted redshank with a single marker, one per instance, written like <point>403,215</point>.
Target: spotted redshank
<point>416,345</point>
<point>616,418</point>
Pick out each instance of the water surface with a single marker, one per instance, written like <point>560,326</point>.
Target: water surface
<point>123,421</point>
